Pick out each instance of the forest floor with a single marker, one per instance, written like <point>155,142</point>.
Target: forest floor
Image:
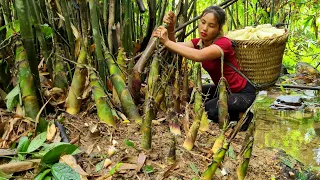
<point>95,138</point>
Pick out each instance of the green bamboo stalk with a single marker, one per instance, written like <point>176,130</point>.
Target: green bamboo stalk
<point>60,76</point>
<point>6,12</point>
<point>66,14</point>
<point>74,100</point>
<point>26,84</point>
<point>43,44</point>
<point>98,40</point>
<point>217,159</point>
<point>218,143</point>
<point>122,63</point>
<point>123,92</point>
<point>100,98</point>
<point>23,13</point>
<point>246,152</point>
<point>127,27</point>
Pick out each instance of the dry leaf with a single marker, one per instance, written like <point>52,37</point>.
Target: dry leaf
<point>20,111</point>
<point>93,128</point>
<point>71,161</point>
<point>158,121</point>
<point>141,160</point>
<point>51,132</point>
<point>57,138</point>
<point>127,166</point>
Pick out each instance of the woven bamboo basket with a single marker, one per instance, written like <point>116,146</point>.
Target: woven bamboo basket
<point>261,60</point>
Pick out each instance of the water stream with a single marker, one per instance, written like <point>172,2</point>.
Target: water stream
<point>295,132</point>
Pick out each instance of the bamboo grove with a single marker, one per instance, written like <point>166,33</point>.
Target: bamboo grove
<point>58,51</point>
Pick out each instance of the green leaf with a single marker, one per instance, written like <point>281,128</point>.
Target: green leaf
<point>23,144</point>
<point>147,169</point>
<point>194,178</point>
<point>115,168</point>
<point>48,178</point>
<point>43,174</point>
<point>231,153</point>
<point>54,154</point>
<point>37,142</point>
<point>42,126</point>
<point>194,168</point>
<point>129,143</point>
<point>61,171</point>
<point>46,30</point>
<point>11,98</point>
<point>99,166</point>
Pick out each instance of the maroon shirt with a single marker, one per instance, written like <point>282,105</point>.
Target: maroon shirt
<point>213,67</point>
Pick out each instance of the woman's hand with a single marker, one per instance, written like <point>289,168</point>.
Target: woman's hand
<point>170,20</point>
<point>162,33</point>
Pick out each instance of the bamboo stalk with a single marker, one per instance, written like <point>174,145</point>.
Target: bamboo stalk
<point>67,20</point>
<point>127,27</point>
<point>100,98</point>
<point>185,82</point>
<point>125,97</point>
<point>43,44</point>
<point>149,105</point>
<point>223,103</point>
<point>172,151</point>
<point>74,100</point>
<point>141,6</point>
<point>23,13</point>
<point>111,23</point>
<point>98,40</point>
<point>193,131</point>
<point>176,92</point>
<point>60,77</point>
<point>246,152</point>
<point>6,12</point>
<point>26,84</point>
<point>217,159</point>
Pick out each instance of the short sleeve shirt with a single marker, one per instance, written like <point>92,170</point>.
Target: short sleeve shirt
<point>213,66</point>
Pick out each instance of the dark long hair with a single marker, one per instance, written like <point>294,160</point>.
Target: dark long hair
<point>218,12</point>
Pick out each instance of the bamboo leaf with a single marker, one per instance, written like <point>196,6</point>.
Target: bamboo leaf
<point>61,171</point>
<point>115,168</point>
<point>37,142</point>
<point>12,98</point>
<point>194,168</point>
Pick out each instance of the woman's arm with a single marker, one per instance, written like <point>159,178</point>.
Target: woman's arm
<point>186,49</point>
<point>207,53</point>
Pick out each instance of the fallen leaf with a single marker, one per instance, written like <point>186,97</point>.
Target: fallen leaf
<point>127,166</point>
<point>141,160</point>
<point>8,152</point>
<point>71,161</point>
<point>57,137</point>
<point>158,121</point>
<point>93,128</point>
<point>51,132</point>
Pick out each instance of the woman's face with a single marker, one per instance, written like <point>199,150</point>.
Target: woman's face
<point>208,27</point>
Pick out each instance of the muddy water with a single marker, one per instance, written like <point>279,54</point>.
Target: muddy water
<point>295,132</point>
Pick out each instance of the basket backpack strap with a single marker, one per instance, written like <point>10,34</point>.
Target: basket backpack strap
<point>222,59</point>
<point>239,72</point>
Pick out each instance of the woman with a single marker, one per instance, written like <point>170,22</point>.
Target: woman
<point>207,50</point>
